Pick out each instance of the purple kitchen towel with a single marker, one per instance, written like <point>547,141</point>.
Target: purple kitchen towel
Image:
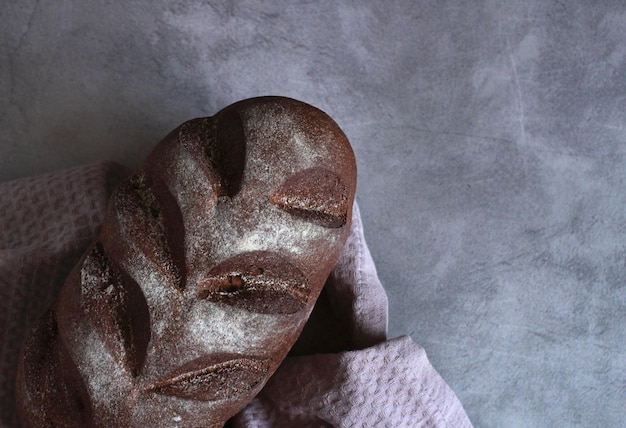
<point>343,372</point>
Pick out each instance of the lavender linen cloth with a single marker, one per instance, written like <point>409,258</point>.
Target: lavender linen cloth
<point>343,372</point>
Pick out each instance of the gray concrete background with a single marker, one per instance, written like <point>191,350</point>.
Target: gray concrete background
<point>490,138</point>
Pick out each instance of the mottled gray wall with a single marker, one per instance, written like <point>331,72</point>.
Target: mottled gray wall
<point>490,139</point>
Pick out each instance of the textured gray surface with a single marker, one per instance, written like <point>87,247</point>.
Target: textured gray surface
<point>490,139</point>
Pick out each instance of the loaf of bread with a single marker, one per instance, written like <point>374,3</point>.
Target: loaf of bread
<point>208,264</point>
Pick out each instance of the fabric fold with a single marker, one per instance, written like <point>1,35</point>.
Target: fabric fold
<point>391,384</point>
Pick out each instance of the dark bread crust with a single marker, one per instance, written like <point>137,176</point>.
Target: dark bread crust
<point>207,267</point>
